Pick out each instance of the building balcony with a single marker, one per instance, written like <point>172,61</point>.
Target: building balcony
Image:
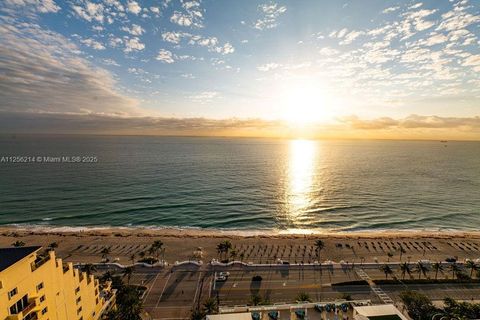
<point>40,261</point>
<point>28,313</point>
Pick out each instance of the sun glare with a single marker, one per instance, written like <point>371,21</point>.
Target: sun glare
<point>304,104</point>
<point>301,173</point>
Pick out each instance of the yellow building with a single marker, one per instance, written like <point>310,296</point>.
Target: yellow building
<point>35,286</point>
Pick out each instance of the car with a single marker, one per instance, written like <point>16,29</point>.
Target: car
<point>221,278</point>
<point>224,274</point>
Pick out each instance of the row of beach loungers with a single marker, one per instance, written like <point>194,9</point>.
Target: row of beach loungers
<point>114,249</point>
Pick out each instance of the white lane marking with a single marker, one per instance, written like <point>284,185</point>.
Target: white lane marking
<point>166,282</point>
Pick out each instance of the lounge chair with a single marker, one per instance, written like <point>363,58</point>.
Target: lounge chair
<point>319,307</point>
<point>300,314</point>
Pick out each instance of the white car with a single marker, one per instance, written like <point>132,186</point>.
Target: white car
<point>221,278</point>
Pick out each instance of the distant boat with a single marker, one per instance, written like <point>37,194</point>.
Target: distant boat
<point>443,141</point>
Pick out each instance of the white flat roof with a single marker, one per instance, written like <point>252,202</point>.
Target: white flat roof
<point>231,316</point>
<point>379,310</point>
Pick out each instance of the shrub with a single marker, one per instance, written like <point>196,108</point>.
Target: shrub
<point>257,278</point>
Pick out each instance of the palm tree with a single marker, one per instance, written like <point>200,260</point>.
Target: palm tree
<point>402,251</point>
<point>319,246</point>
<point>233,254</point>
<point>127,272</point>
<point>227,245</point>
<point>132,258</point>
<point>156,248</point>
<point>437,267</point>
<point>52,246</point>
<point>405,268</point>
<point>421,269</point>
<point>389,256</point>
<point>224,247</point>
<point>256,299</point>
<point>242,256</point>
<point>105,252</point>
<point>89,269</point>
<point>18,244</point>
<point>210,306</point>
<point>472,266</point>
<point>220,249</point>
<point>197,314</point>
<point>387,270</point>
<point>455,269</point>
<point>303,296</point>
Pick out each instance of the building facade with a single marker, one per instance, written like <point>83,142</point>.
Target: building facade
<point>39,286</point>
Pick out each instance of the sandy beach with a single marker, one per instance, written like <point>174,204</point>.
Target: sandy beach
<point>84,245</point>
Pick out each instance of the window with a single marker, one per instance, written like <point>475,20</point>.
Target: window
<point>77,289</point>
<point>79,299</point>
<point>12,292</point>
<point>96,300</point>
<point>40,286</point>
<point>31,316</point>
<point>45,310</point>
<point>18,306</point>
<point>42,298</point>
<point>79,310</point>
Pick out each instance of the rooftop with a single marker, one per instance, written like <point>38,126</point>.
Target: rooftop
<point>10,256</point>
<point>379,312</point>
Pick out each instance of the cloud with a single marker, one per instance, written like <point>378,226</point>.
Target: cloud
<point>110,62</point>
<point>351,36</point>
<point>205,96</point>
<point>89,11</point>
<point>173,37</point>
<point>212,43</point>
<point>390,9</point>
<point>190,16</point>
<point>457,19</point>
<point>97,123</point>
<point>42,6</point>
<point>93,44</point>
<point>133,44</point>
<point>268,66</point>
<point>165,56</point>
<point>43,73</point>
<point>413,122</point>
<point>135,30</point>
<point>181,19</point>
<point>134,7</point>
<point>270,13</point>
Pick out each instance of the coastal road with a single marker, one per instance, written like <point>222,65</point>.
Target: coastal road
<point>173,292</point>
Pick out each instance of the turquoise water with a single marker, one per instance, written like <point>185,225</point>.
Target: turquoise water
<point>242,183</point>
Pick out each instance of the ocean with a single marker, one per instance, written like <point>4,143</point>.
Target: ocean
<point>239,183</point>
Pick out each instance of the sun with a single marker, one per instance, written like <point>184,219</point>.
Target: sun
<point>304,104</point>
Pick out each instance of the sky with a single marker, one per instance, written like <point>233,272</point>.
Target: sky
<point>299,68</point>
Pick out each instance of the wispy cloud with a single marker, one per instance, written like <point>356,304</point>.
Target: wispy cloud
<point>43,73</point>
<point>413,122</point>
<point>42,6</point>
<point>270,12</point>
